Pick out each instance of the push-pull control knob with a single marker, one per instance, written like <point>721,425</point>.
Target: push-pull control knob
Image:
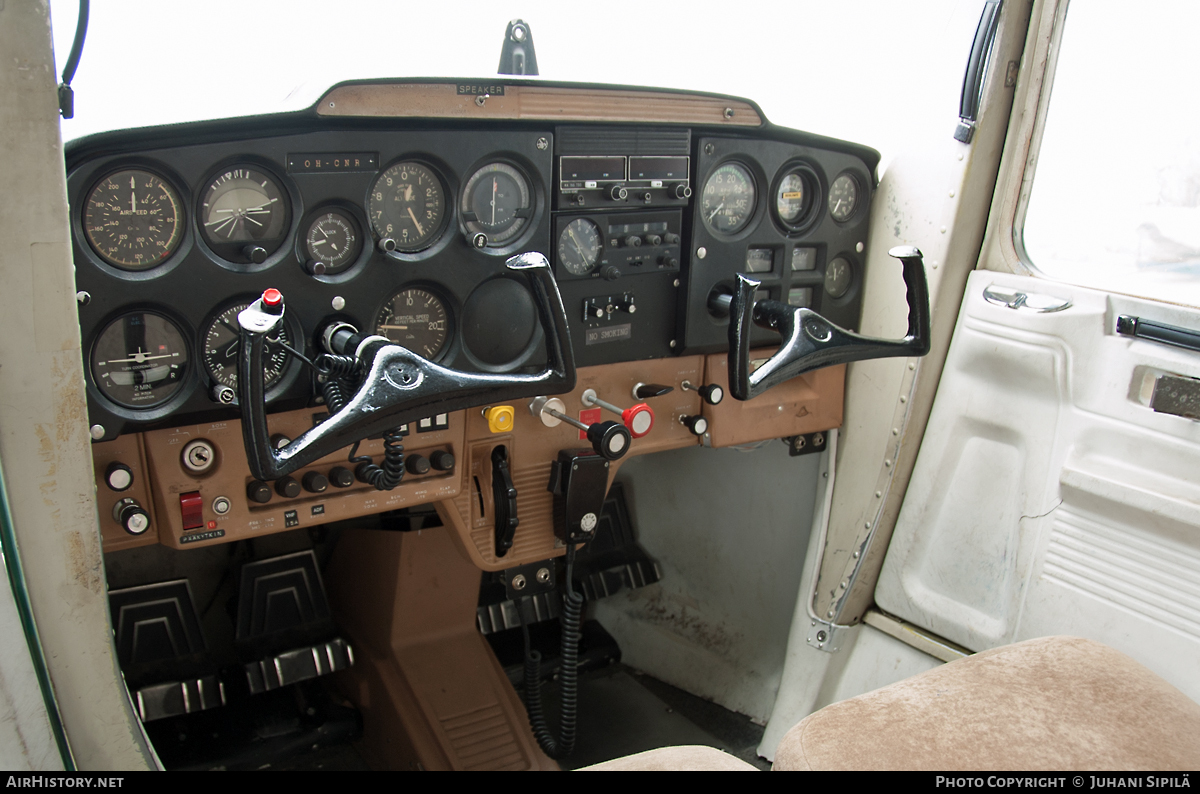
<point>711,394</point>
<point>118,476</point>
<point>696,425</point>
<point>639,418</point>
<point>130,515</point>
<point>610,440</point>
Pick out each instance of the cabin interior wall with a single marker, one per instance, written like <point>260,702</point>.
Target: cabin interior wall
<point>730,529</point>
<point>44,442</point>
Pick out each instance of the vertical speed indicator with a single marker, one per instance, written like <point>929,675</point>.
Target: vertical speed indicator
<point>416,319</point>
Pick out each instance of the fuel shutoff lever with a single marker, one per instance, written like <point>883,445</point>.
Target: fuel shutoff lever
<point>638,418</point>
<point>609,439</point>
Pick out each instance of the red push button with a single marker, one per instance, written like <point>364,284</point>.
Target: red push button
<point>272,297</point>
<point>191,506</point>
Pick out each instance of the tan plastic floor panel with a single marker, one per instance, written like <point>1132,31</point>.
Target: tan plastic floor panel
<point>432,694</point>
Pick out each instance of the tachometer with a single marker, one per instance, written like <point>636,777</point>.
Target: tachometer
<point>140,360</point>
<point>727,203</point>
<point>243,214</point>
<point>416,319</point>
<point>407,205</point>
<point>221,337</point>
<point>497,202</point>
<point>132,219</point>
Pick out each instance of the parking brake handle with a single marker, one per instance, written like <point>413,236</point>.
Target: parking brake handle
<point>809,340</point>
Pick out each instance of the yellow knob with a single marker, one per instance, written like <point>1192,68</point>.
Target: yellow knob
<point>499,418</point>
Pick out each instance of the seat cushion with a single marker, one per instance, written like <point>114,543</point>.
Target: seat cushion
<point>1054,703</point>
<point>692,758</point>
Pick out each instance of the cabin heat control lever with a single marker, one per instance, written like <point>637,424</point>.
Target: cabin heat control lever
<point>638,418</point>
<point>711,394</point>
<point>609,439</point>
<point>809,340</point>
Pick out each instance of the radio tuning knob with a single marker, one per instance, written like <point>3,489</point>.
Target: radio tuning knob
<point>682,191</point>
<point>633,241</point>
<point>618,193</point>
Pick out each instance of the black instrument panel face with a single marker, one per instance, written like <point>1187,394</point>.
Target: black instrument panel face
<point>405,232</point>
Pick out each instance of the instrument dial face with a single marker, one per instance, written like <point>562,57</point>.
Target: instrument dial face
<point>843,197</point>
<point>132,220</point>
<point>416,319</point>
<point>140,360</point>
<point>838,276</point>
<point>221,338</point>
<point>792,199</point>
<point>333,239</point>
<point>727,203</point>
<point>579,246</point>
<point>497,201</point>
<point>408,205</point>
<point>241,207</point>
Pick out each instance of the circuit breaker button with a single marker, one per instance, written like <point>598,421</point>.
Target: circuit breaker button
<point>191,506</point>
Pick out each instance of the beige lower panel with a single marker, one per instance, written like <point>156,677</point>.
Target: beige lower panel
<point>431,693</point>
<point>532,447</point>
<point>804,404</point>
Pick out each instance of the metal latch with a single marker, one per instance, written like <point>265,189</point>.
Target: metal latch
<point>1014,299</point>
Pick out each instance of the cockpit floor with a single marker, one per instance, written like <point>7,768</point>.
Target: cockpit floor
<point>623,711</point>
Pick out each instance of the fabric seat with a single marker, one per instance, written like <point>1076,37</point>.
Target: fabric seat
<point>1053,703</point>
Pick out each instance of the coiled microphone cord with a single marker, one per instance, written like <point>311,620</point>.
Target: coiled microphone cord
<point>568,676</point>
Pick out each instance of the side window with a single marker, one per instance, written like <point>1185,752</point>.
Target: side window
<point>1115,200</point>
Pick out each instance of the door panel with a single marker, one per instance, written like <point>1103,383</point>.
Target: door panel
<point>1048,497</point>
